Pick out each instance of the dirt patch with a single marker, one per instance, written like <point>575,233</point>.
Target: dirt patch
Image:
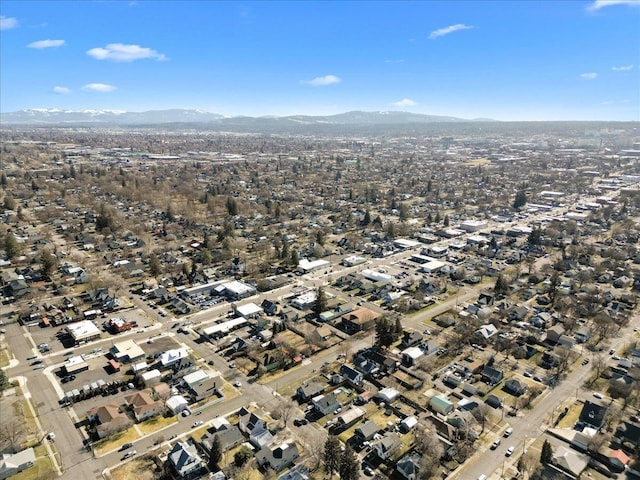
<point>141,469</point>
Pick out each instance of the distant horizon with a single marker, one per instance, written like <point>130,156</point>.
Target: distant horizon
<point>503,60</point>
<point>267,116</point>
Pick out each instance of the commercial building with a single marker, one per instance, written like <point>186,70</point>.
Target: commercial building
<point>83,331</point>
<point>127,351</point>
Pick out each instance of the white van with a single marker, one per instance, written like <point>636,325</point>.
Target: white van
<point>482,477</point>
<point>508,432</point>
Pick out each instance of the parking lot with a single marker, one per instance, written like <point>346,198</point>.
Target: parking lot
<point>50,336</point>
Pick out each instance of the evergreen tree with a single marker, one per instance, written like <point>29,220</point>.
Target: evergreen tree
<point>215,455</point>
<point>391,231</point>
<point>349,465</point>
<point>547,453</point>
<point>295,258</point>
<point>366,221</point>
<point>11,246</point>
<point>154,266</point>
<point>384,333</point>
<point>520,200</point>
<point>397,331</point>
<point>321,302</point>
<point>501,286</point>
<point>332,455</point>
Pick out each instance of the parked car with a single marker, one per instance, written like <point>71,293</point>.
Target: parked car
<point>237,383</point>
<point>197,424</point>
<point>495,444</point>
<point>298,422</point>
<point>126,446</point>
<point>508,432</point>
<point>129,454</point>
<point>509,451</point>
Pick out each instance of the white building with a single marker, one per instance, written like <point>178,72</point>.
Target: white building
<point>83,331</point>
<point>306,266</point>
<point>177,404</point>
<point>171,357</point>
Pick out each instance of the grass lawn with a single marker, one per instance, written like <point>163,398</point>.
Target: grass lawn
<point>4,357</point>
<point>156,423</point>
<point>22,411</point>
<point>229,392</point>
<point>572,416</point>
<point>42,470</point>
<point>199,432</point>
<point>115,442</point>
<point>140,468</point>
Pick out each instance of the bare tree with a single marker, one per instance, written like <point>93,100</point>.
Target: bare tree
<point>284,410</point>
<point>481,413</point>
<point>12,433</point>
<point>527,464</point>
<point>314,444</point>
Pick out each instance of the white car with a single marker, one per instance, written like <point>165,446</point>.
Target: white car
<point>597,394</point>
<point>509,451</point>
<point>237,383</point>
<point>197,424</point>
<point>129,454</point>
<point>51,436</point>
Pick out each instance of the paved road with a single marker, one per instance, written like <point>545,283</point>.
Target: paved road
<point>534,422</point>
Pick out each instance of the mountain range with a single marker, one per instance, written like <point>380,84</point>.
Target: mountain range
<point>57,117</point>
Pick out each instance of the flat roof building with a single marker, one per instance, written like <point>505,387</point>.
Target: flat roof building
<point>83,331</point>
<point>127,351</point>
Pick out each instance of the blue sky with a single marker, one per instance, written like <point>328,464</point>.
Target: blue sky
<point>508,60</point>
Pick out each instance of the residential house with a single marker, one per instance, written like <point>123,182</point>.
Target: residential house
<point>492,376</point>
<point>554,333</point>
<point>411,356</point>
<point>593,414</point>
<point>325,404</point>
<point>269,307</point>
<point>229,437</point>
<point>366,431</point>
<point>12,463</point>
<point>351,375</point>
<point>629,432</point>
<point>277,457</point>
<point>349,417</point>
<point>108,419</point>
<point>308,391</point>
<point>298,472</point>
<point>358,320</point>
<point>515,387</point>
<point>184,459</point>
<point>410,339</point>
<point>386,446</point>
<point>441,405</point>
<point>143,405</point>
<point>255,428</point>
<point>409,466</point>
<point>569,461</point>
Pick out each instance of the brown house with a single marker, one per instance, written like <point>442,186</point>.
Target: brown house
<point>359,320</point>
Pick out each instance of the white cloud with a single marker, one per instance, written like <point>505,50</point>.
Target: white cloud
<point>447,30</point>
<point>8,22</point>
<point>323,81</point>
<point>598,4</point>
<point>589,76</point>
<point>46,44</point>
<point>119,52</point>
<point>98,87</point>
<point>61,90</point>
<point>405,102</point>
<point>623,68</point>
